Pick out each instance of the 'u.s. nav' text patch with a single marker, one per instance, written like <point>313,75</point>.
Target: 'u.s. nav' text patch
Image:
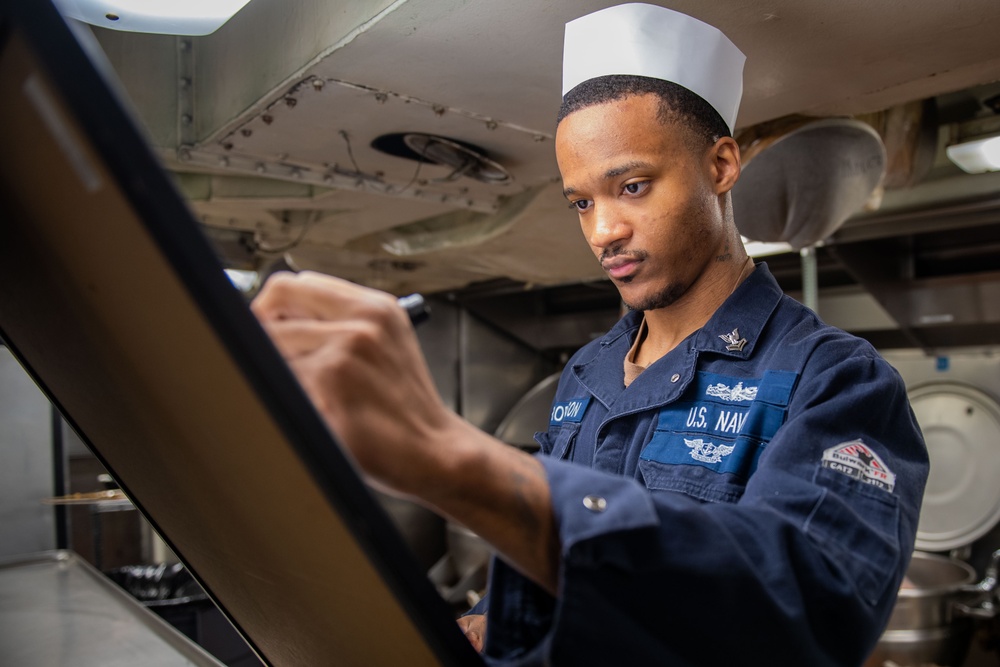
<point>722,423</point>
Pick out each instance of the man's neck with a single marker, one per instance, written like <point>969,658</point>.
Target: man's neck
<point>667,327</point>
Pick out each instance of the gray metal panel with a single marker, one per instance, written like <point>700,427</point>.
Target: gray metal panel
<point>479,370</point>
<point>496,371</point>
<point>26,524</point>
<point>976,368</point>
<point>438,338</point>
<point>529,415</point>
<point>57,610</point>
<point>980,369</point>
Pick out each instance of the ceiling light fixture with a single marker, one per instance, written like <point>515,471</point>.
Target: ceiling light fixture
<point>165,17</point>
<point>976,156</point>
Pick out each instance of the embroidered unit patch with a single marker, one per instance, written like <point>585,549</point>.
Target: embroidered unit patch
<point>854,459</point>
<point>727,393</point>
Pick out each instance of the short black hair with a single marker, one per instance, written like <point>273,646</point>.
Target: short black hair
<point>677,103</point>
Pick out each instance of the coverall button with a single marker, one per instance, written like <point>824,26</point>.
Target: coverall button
<point>595,503</point>
<point>675,377</point>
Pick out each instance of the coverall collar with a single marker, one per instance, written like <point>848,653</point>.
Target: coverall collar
<point>732,331</point>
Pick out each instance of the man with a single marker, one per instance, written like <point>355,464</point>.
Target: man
<point>726,479</point>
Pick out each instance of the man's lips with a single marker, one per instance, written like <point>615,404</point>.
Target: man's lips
<point>621,266</point>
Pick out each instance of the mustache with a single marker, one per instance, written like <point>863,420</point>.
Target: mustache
<point>619,251</point>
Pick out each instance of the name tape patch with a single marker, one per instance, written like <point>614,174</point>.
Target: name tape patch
<point>854,459</point>
<point>569,411</point>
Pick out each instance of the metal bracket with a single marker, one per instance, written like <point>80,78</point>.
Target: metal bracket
<point>185,92</point>
<point>330,178</point>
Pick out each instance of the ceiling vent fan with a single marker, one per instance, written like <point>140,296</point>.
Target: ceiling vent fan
<point>464,159</point>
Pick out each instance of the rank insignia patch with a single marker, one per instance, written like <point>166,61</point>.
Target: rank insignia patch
<point>734,340</point>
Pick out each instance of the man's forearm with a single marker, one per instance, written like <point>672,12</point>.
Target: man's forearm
<point>499,492</point>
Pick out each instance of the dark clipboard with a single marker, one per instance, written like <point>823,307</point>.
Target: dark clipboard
<point>113,300</point>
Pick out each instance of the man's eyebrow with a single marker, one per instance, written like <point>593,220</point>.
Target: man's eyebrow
<point>615,172</point>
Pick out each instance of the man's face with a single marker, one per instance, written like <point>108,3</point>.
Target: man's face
<point>646,197</point>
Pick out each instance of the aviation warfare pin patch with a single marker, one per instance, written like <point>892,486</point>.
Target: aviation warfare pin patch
<point>854,459</point>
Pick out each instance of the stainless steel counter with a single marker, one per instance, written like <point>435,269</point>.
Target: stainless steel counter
<point>55,610</point>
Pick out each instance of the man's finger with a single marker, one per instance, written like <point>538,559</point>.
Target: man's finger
<point>297,338</point>
<point>310,295</point>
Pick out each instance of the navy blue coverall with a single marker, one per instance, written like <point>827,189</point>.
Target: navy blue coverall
<point>751,498</point>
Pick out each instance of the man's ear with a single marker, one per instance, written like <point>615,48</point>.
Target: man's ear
<point>725,165</point>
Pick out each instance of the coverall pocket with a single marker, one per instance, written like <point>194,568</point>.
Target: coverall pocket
<point>858,524</point>
<point>695,481</point>
<point>562,445</point>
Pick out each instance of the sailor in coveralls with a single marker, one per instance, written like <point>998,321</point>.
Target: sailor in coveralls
<point>724,480</point>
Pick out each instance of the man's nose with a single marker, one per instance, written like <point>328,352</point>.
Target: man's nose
<point>606,228</point>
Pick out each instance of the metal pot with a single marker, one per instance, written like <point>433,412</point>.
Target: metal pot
<point>928,592</point>
<point>469,551</point>
<point>932,619</point>
<point>944,646</point>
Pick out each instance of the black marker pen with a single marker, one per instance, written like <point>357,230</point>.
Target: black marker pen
<point>415,307</point>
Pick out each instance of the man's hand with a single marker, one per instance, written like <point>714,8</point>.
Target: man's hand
<point>354,352</point>
<point>474,627</point>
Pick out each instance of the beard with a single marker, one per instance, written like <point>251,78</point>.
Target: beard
<point>661,299</point>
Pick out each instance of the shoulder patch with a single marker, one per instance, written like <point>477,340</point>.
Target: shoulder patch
<point>855,459</point>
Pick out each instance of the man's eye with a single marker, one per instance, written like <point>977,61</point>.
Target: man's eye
<point>580,204</point>
<point>636,188</point>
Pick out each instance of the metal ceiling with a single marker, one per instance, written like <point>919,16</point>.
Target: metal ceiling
<point>269,124</point>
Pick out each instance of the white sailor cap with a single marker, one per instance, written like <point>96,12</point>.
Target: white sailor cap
<point>651,41</point>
